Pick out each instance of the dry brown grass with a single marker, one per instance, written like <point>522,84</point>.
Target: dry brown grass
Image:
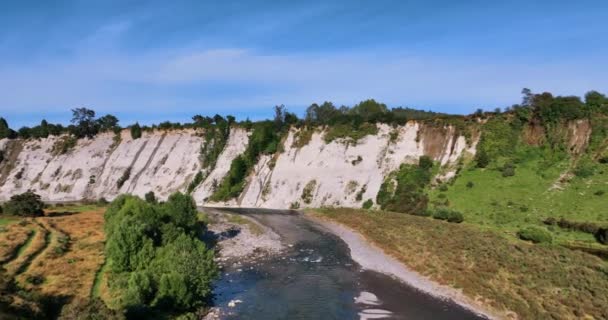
<point>70,273</point>
<point>534,281</point>
<point>14,237</point>
<point>34,248</point>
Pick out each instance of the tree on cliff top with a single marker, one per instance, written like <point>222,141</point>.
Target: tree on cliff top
<point>84,124</point>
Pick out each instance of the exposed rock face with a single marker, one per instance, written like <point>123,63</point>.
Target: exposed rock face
<point>344,174</point>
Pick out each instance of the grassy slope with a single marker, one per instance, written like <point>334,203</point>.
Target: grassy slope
<point>507,204</point>
<point>535,281</point>
<point>72,273</point>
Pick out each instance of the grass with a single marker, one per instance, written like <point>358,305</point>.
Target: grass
<point>73,273</point>
<point>64,253</point>
<point>99,279</point>
<point>7,220</point>
<point>14,240</point>
<point>534,281</point>
<point>508,204</point>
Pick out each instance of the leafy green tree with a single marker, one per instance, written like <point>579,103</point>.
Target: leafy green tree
<point>181,209</point>
<point>25,204</point>
<point>184,270</point>
<point>107,123</point>
<point>595,100</point>
<point>370,110</point>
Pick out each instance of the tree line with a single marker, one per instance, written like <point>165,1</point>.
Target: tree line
<point>543,106</point>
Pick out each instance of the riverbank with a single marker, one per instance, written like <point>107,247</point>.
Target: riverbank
<point>239,238</point>
<point>372,257</point>
<point>481,270</point>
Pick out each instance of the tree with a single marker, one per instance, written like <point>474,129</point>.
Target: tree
<point>84,123</point>
<point>595,100</point>
<point>25,132</point>
<point>107,123</point>
<point>370,110</point>
<point>279,116</point>
<point>181,209</point>
<point>135,131</point>
<point>5,131</point>
<point>25,204</point>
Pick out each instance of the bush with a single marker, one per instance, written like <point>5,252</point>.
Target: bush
<point>601,235</point>
<point>150,197</point>
<point>63,145</point>
<point>25,204</point>
<point>368,204</point>
<point>307,192</point>
<point>599,192</point>
<point>508,170</point>
<point>443,188</point>
<point>89,310</point>
<point>535,235</point>
<point>198,178</point>
<point>135,131</point>
<point>470,184</point>
<point>125,176</point>
<point>448,215</point>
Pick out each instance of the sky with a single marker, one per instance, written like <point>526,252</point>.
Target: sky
<point>151,61</point>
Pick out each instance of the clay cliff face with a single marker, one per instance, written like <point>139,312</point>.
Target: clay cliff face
<point>334,174</point>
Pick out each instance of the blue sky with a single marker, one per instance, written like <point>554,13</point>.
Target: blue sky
<point>150,61</point>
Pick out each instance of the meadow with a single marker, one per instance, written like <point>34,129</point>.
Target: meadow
<point>56,258</point>
<point>535,281</point>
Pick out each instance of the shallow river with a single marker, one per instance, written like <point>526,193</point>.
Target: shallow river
<point>315,278</point>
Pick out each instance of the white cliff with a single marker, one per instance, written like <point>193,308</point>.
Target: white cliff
<point>338,173</point>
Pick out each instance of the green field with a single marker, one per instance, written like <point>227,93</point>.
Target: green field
<point>507,204</point>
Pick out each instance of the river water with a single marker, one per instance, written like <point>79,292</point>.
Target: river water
<point>315,278</point>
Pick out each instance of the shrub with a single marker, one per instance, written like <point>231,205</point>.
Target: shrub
<point>63,145</point>
<point>307,192</point>
<point>599,192</point>
<point>25,204</point>
<point>368,204</point>
<point>135,131</point>
<point>470,184</point>
<point>198,178</point>
<point>89,310</point>
<point>601,235</point>
<point>481,159</point>
<point>508,170</point>
<point>408,195</point>
<point>150,197</point>
<point>125,176</point>
<point>448,215</point>
<point>443,188</point>
<point>535,235</point>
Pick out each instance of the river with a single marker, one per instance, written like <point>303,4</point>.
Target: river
<point>315,278</point>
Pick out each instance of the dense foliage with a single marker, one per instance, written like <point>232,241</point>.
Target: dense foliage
<point>26,204</point>
<point>155,259</point>
<point>403,190</point>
